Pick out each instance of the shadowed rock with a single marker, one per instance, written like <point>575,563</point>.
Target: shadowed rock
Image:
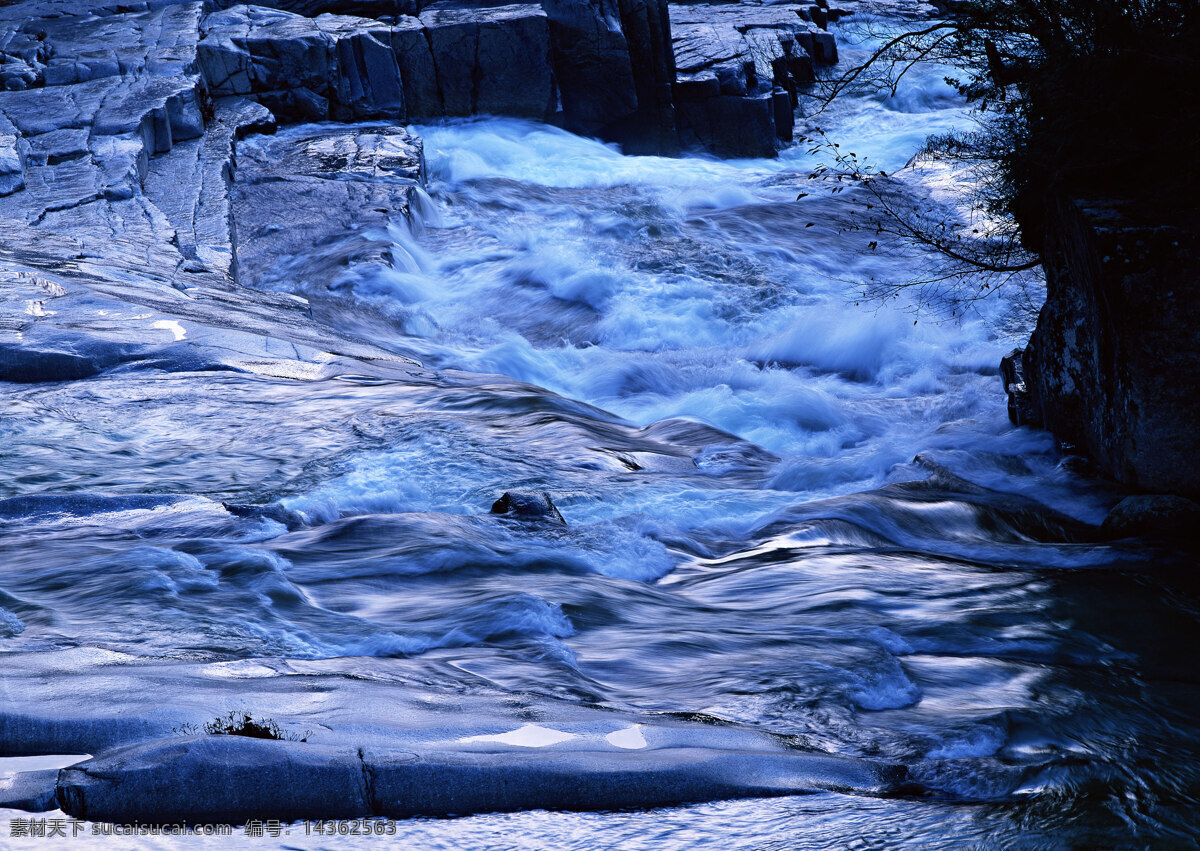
<point>614,67</point>
<point>1154,515</point>
<point>492,61</point>
<point>740,71</point>
<point>1113,369</point>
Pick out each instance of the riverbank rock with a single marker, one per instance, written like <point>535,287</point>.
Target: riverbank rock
<point>1153,515</point>
<point>118,247</point>
<point>1113,367</point>
<point>492,61</point>
<point>303,69</point>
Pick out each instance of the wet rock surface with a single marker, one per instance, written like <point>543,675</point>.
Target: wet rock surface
<point>528,506</point>
<point>320,198</point>
<point>118,170</point>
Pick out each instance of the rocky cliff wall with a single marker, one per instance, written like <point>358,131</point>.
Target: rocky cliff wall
<point>1113,367</point>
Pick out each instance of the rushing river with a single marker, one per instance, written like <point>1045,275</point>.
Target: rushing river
<point>783,510</point>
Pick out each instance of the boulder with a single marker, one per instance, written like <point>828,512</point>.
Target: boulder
<point>591,64</point>
<point>454,60</point>
<point>1021,409</point>
<point>215,779</point>
<point>652,128</point>
<point>418,71</point>
<point>731,125</point>
<point>528,505</point>
<point>614,68</point>
<point>312,8</point>
<point>193,188</point>
<point>1153,515</point>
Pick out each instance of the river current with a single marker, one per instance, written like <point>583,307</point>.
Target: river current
<point>784,510</point>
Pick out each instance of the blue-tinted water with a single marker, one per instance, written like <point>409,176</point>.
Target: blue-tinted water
<point>784,510</point>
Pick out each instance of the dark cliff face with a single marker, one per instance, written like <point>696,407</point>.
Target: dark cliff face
<point>1113,367</point>
<point>1103,174</point>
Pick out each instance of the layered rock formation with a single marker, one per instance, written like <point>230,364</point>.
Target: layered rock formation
<point>119,235</point>
<point>127,193</point>
<point>1113,367</point>
<point>740,73</point>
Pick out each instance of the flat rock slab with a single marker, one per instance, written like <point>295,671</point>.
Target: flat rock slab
<point>232,779</point>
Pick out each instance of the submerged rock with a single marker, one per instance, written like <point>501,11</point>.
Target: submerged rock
<point>528,505</point>
<point>81,504</point>
<point>614,67</point>
<point>271,511</point>
<point>1153,515</point>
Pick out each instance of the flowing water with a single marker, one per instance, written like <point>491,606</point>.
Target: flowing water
<point>783,510</point>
